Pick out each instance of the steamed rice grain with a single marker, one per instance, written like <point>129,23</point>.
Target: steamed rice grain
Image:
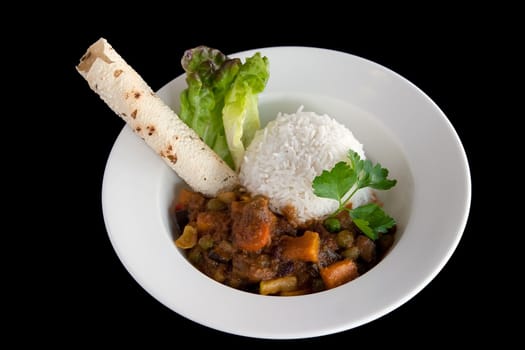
<point>284,158</point>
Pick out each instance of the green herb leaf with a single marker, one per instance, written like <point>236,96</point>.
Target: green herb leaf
<point>372,220</point>
<point>354,175</point>
<point>369,175</point>
<point>335,183</point>
<point>364,226</point>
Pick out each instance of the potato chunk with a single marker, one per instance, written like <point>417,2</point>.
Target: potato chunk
<point>278,285</point>
<point>188,239</point>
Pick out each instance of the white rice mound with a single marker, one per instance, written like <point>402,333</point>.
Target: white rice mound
<point>284,158</point>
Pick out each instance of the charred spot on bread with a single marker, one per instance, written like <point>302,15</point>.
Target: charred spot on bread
<point>117,73</point>
<point>172,158</point>
<point>138,129</point>
<point>137,95</point>
<point>134,114</point>
<point>151,129</point>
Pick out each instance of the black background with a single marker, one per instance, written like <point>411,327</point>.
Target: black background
<point>93,298</point>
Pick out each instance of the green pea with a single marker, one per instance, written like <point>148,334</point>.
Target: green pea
<point>215,204</point>
<point>332,225</point>
<point>206,242</point>
<point>344,239</point>
<point>194,255</point>
<point>351,253</point>
<point>227,197</point>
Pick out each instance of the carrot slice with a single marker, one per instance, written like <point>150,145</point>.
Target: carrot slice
<point>304,248</point>
<point>338,273</point>
<point>205,221</point>
<point>184,197</point>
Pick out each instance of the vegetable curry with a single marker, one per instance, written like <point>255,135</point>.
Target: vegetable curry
<point>237,240</point>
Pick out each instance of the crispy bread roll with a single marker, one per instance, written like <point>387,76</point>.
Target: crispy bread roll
<point>128,95</point>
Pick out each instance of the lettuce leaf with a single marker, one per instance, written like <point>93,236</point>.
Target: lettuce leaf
<point>209,75</point>
<point>240,114</point>
<point>219,86</point>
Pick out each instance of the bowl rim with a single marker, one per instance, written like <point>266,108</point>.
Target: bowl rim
<point>256,304</point>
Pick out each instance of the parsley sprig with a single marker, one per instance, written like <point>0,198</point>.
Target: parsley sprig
<point>344,180</point>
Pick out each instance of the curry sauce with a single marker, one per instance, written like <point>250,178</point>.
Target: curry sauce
<point>237,240</point>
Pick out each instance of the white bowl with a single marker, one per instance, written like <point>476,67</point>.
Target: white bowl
<point>400,127</point>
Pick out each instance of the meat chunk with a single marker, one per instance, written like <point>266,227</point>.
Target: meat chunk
<point>254,268</point>
<point>215,223</point>
<point>367,248</point>
<point>252,224</point>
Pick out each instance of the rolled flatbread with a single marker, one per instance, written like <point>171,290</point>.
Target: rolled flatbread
<point>128,95</point>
